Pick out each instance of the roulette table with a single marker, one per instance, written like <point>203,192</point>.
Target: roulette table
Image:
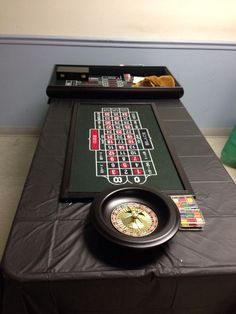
<point>55,261</point>
<point>117,144</point>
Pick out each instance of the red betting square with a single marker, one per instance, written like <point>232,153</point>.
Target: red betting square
<point>138,171</point>
<point>119,132</point>
<point>110,142</point>
<point>131,141</point>
<point>113,172</point>
<point>107,122</point>
<point>111,153</point>
<point>108,127</point>
<point>124,165</point>
<point>111,158</point>
<point>107,114</point>
<point>121,147</point>
<point>129,136</point>
<point>135,158</point>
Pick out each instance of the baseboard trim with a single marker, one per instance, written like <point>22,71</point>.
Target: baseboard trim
<point>216,131</point>
<point>19,131</point>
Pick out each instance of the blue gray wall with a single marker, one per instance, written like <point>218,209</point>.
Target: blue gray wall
<point>207,71</point>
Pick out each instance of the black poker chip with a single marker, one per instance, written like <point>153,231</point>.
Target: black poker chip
<point>135,217</point>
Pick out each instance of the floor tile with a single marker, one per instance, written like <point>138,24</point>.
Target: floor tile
<point>217,143</point>
<point>16,154</point>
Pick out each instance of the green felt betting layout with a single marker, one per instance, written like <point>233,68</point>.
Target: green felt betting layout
<point>115,145</point>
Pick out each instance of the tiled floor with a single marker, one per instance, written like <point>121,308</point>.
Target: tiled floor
<point>16,153</point>
<point>217,143</point>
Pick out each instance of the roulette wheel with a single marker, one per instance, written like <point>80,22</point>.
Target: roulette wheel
<point>135,217</point>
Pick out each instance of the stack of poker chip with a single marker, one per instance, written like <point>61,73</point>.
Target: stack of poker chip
<point>191,217</point>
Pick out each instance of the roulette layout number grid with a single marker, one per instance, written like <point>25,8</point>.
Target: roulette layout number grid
<point>118,144</point>
<point>122,147</point>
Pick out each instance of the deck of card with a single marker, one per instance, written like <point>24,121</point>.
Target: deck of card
<point>191,217</point>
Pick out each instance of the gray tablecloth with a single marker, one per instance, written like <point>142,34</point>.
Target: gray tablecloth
<point>55,262</point>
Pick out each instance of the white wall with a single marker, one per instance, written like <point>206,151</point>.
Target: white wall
<point>134,19</point>
<point>195,39</point>
<point>207,73</point>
